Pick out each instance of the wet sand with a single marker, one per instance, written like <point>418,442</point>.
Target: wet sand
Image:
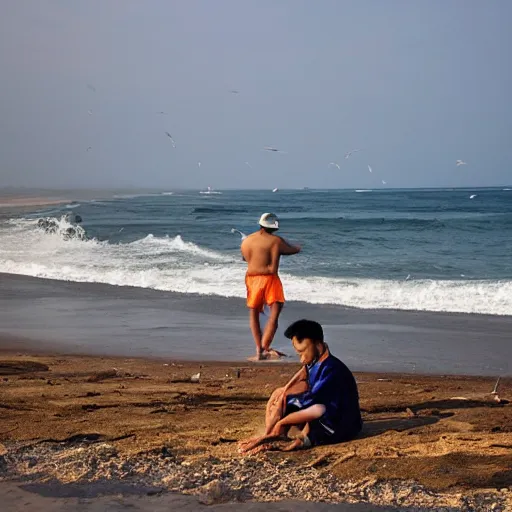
<point>100,319</point>
<point>428,441</point>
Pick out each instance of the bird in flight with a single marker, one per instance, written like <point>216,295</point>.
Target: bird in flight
<point>89,112</point>
<point>275,150</point>
<point>460,162</point>
<point>198,164</point>
<point>384,182</point>
<point>91,87</point>
<point>370,169</point>
<point>334,164</point>
<point>172,140</point>
<point>249,165</point>
<point>242,235</point>
<point>347,155</point>
<point>89,148</point>
<point>233,91</point>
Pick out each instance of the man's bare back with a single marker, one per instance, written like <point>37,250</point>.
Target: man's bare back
<point>262,251</point>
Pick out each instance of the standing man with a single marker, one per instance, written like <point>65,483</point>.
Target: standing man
<point>262,251</point>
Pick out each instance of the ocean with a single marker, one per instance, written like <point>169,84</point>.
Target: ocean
<point>423,250</point>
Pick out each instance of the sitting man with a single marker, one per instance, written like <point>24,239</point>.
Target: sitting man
<point>321,399</point>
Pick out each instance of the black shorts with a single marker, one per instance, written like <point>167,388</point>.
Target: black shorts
<point>320,430</point>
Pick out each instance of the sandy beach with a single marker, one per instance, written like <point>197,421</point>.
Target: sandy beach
<point>71,421</point>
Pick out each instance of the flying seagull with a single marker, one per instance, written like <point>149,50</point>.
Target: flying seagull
<point>249,165</point>
<point>347,155</point>
<point>275,150</point>
<point>460,162</point>
<point>472,196</point>
<point>233,91</point>
<point>89,148</point>
<point>384,182</point>
<point>91,87</point>
<point>172,140</point>
<point>370,169</point>
<point>198,164</point>
<point>335,164</point>
<point>89,112</point>
<point>242,235</point>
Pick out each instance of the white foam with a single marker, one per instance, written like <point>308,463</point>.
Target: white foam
<point>174,264</point>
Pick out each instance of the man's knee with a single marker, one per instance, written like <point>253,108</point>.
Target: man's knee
<point>278,391</point>
<point>277,394</point>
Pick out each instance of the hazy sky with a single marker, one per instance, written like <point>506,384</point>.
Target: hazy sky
<point>416,84</point>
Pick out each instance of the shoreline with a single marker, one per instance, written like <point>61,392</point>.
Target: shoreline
<point>461,315</point>
<point>69,317</point>
<point>82,421</point>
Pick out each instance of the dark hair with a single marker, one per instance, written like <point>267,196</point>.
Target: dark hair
<point>305,329</point>
<point>269,230</point>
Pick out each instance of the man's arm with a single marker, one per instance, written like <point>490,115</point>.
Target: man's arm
<point>286,249</point>
<point>299,376</point>
<point>300,417</point>
<point>242,250</point>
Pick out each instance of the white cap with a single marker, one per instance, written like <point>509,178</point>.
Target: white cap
<point>269,220</point>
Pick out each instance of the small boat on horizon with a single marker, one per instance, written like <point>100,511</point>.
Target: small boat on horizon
<point>209,191</point>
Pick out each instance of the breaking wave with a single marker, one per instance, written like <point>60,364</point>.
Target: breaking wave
<point>174,264</point>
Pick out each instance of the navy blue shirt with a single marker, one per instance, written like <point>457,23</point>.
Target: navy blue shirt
<point>331,384</point>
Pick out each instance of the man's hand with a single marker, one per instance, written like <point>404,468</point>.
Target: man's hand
<point>277,430</point>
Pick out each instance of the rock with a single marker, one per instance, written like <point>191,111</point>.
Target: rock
<point>52,225</point>
<point>215,492</point>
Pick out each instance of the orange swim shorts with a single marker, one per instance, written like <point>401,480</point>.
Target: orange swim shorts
<point>263,289</point>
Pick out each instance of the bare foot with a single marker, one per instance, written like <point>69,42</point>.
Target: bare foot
<point>251,444</point>
<point>245,442</point>
<point>272,353</point>
<point>260,356</point>
<point>261,448</point>
<point>297,444</point>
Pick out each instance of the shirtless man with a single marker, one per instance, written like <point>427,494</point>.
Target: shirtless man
<point>262,251</point>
